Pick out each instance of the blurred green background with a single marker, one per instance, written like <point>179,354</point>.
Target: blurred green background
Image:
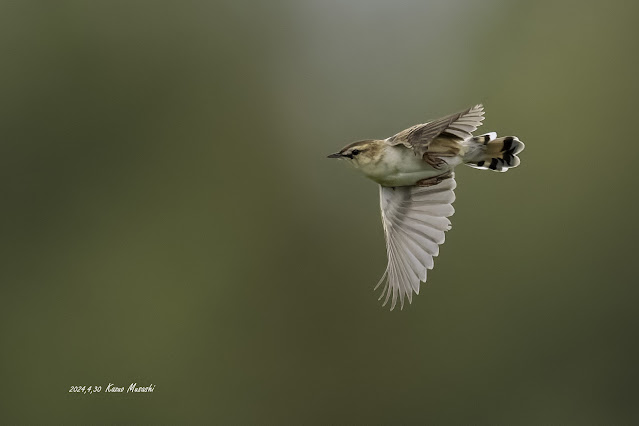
<point>169,217</point>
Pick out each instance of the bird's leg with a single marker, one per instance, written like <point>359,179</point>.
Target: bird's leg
<point>434,180</point>
<point>434,162</point>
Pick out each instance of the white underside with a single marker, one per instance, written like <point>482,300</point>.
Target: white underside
<point>401,167</point>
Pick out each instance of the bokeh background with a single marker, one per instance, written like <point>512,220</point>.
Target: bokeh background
<point>169,217</point>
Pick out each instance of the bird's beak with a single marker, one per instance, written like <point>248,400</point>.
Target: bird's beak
<point>336,155</point>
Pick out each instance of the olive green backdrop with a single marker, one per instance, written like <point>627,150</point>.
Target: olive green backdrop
<point>168,215</point>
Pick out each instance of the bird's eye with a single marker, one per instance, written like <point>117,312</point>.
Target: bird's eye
<point>355,152</point>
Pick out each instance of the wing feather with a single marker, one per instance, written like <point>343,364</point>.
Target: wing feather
<point>412,250</point>
<point>414,220</point>
<point>459,126</point>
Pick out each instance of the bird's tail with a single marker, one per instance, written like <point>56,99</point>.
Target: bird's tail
<point>490,152</point>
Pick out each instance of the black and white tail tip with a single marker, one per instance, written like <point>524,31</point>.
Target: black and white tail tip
<point>498,154</point>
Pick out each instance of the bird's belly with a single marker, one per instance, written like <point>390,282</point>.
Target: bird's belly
<point>408,169</point>
<point>408,178</point>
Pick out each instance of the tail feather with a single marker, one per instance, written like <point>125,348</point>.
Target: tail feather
<point>488,152</point>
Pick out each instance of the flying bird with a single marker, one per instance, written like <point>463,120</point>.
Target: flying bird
<point>415,173</point>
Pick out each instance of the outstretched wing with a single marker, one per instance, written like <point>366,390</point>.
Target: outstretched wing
<point>415,219</point>
<point>459,126</point>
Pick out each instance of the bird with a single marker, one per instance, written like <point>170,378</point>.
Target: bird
<point>415,173</point>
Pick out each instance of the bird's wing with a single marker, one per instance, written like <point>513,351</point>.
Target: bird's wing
<point>415,219</point>
<point>458,126</point>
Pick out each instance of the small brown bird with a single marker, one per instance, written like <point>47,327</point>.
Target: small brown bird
<point>415,171</point>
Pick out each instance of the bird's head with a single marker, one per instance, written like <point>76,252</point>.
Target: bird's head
<point>360,153</point>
